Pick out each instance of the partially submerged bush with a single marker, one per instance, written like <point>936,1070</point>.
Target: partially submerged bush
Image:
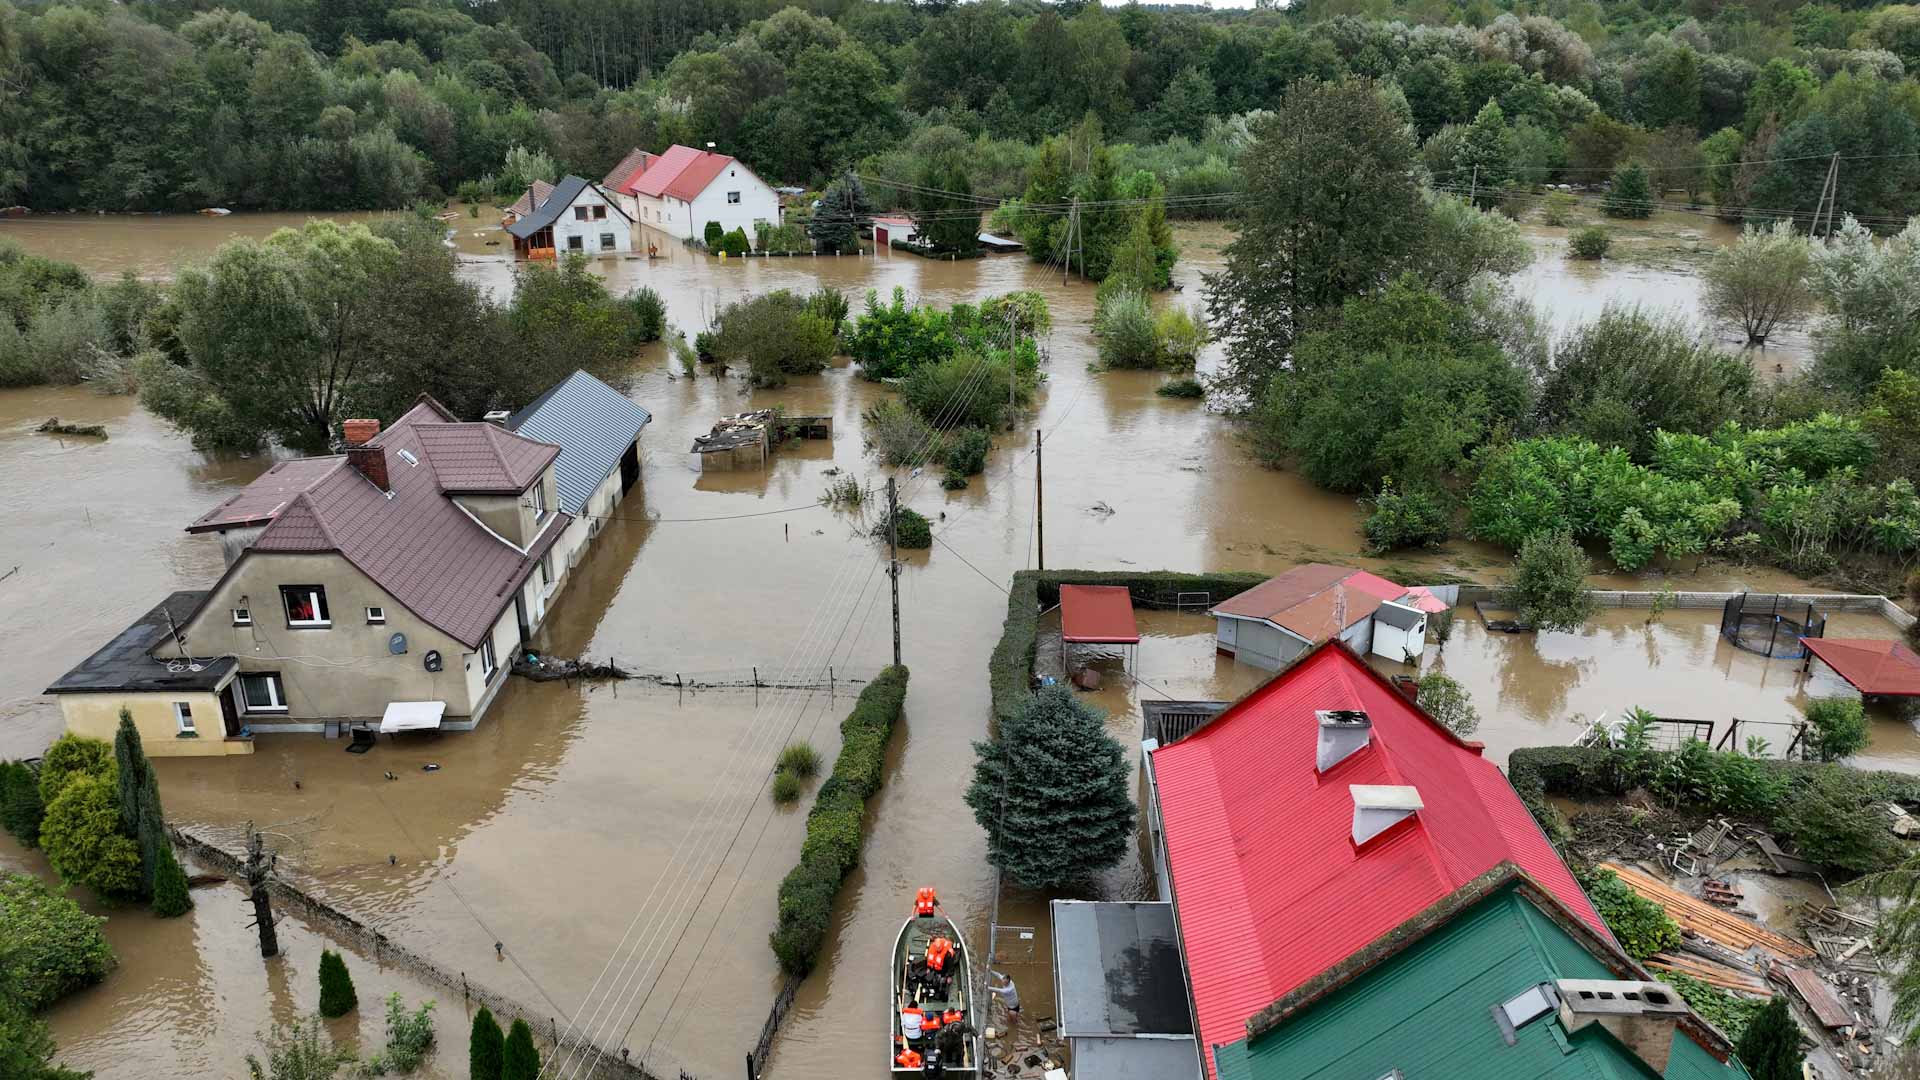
<point>786,788</point>
<point>967,451</point>
<point>898,435</point>
<point>1123,323</point>
<point>649,313</point>
<point>1836,727</point>
<point>1179,335</point>
<point>52,948</point>
<point>1406,517</point>
<point>1183,387</point>
<point>774,336</point>
<point>1592,242</point>
<point>801,759</point>
<point>914,529</point>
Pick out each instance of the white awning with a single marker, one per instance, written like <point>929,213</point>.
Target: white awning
<point>412,715</point>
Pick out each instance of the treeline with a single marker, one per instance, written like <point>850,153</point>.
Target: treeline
<point>287,103</point>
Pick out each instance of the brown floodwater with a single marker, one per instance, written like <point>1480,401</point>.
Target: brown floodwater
<point>572,808</point>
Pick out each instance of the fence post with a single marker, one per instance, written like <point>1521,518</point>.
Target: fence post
<point>750,1073</point>
<point>756,676</point>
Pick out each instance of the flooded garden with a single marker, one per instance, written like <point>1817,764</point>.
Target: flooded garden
<point>545,829</point>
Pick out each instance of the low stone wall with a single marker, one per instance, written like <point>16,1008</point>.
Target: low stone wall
<point>1626,598</point>
<point>341,924</point>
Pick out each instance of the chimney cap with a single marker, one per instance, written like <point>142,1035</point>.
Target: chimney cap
<point>1619,997</point>
<point>498,416</point>
<point>1385,797</point>
<point>1350,718</point>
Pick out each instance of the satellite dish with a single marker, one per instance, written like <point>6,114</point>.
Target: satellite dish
<point>432,660</point>
<point>397,644</point>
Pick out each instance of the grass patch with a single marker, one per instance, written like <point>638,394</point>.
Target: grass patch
<point>786,787</point>
<point>800,759</point>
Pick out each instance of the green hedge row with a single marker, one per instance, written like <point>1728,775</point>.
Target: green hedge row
<point>1011,669</point>
<point>1583,771</point>
<point>833,839</point>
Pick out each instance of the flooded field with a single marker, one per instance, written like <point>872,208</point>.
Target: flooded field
<point>570,809</point>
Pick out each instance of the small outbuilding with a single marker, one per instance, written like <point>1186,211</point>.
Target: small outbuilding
<point>1877,667</point>
<point>1282,617</point>
<point>1122,991</point>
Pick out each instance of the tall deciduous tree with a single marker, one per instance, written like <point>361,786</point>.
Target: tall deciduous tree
<point>1331,210</point>
<point>1052,793</point>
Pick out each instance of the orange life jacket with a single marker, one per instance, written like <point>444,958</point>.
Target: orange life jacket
<point>937,952</point>
<point>951,1016</point>
<point>908,1059</point>
<point>924,900</point>
<point>931,1024</point>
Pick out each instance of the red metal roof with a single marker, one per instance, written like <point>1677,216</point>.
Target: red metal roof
<point>662,171</point>
<point>1872,665</point>
<point>1269,888</point>
<point>699,172</point>
<point>1098,613</point>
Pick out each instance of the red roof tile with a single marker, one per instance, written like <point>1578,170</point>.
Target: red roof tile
<point>1315,601</point>
<point>627,171</point>
<point>681,173</point>
<point>699,172</point>
<point>663,170</point>
<point>1269,888</point>
<point>268,495</point>
<point>419,545</point>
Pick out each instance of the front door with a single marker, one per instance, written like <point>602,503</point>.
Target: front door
<point>230,713</point>
<point>520,615</point>
<point>629,467</point>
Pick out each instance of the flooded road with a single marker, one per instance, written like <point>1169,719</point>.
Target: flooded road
<point>572,809</point>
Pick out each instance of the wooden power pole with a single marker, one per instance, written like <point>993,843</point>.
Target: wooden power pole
<point>1039,504</point>
<point>893,561</point>
<point>259,869</point>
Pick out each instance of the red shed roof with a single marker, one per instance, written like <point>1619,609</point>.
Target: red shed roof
<point>1269,888</point>
<point>1872,665</point>
<point>1098,613</point>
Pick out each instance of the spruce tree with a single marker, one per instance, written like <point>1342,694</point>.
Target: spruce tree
<point>1068,809</point>
<point>485,1047</point>
<point>139,792</point>
<point>520,1061</point>
<point>336,986</point>
<point>1631,193</point>
<point>170,897</point>
<point>1770,1047</point>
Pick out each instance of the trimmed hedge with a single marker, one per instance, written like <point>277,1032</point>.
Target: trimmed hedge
<point>832,847</point>
<point>1011,668</point>
<point>1539,771</point>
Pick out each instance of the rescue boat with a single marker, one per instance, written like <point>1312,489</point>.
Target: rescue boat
<point>951,993</point>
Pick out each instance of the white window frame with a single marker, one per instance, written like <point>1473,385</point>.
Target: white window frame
<point>276,693</point>
<point>183,717</point>
<point>376,615</point>
<point>488,663</point>
<point>547,578</point>
<point>538,496</point>
<point>317,597</point>
<point>242,616</point>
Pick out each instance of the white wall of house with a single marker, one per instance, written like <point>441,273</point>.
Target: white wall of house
<point>664,215</point>
<point>1359,636</point>
<point>611,232</point>
<point>481,690</point>
<point>1254,642</point>
<point>756,202</point>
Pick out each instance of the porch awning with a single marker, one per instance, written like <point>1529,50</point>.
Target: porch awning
<point>1097,614</point>
<point>1873,666</point>
<point>412,716</point>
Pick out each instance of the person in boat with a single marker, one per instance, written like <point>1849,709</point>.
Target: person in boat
<point>939,966</point>
<point>924,902</point>
<point>916,974</point>
<point>913,1023</point>
<point>935,1062</point>
<point>952,1042</point>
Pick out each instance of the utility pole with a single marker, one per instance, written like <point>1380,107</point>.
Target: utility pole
<point>1473,190</point>
<point>1073,238</point>
<point>1039,504</point>
<point>259,868</point>
<point>893,562</point>
<point>1829,195</point>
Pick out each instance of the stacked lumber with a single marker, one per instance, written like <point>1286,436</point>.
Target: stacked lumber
<point>1715,924</point>
<point>1720,975</point>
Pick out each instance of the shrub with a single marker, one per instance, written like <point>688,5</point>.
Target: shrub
<point>800,759</point>
<point>649,313</point>
<point>833,825</point>
<point>1447,701</point>
<point>1723,1010</point>
<point>1641,926</point>
<point>52,948</point>
<point>1836,820</point>
<point>519,1060</point>
<point>773,336</point>
<point>967,452</point>
<point>1631,193</point>
<point>713,235</point>
<point>1406,517</point>
<point>898,435</point>
<point>170,895</point>
<point>962,390</point>
<point>1836,727</point>
<point>914,531</point>
<point>736,243</point>
<point>1123,323</point>
<point>892,339</point>
<point>1183,387</point>
<point>1549,582</point>
<point>485,1047</point>
<point>299,1050</point>
<point>1179,336</point>
<point>20,806</point>
<point>409,1037</point>
<point>337,997</point>
<point>71,756</point>
<point>786,787</point>
<point>1592,242</point>
<point>1558,210</point>
<point>829,305</point>
<point>846,491</point>
<point>83,841</point>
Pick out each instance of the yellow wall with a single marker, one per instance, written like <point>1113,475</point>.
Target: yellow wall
<point>98,715</point>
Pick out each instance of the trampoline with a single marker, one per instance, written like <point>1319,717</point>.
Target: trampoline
<point>1771,625</point>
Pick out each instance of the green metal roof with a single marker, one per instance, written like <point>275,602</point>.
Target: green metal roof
<point>1427,1011</point>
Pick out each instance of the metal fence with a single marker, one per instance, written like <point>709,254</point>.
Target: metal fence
<point>782,1004</point>
<point>1770,624</point>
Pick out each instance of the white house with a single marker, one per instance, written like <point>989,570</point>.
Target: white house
<point>574,216</point>
<point>679,191</point>
<point>1282,617</point>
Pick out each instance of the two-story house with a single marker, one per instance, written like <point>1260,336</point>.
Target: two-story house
<point>387,586</point>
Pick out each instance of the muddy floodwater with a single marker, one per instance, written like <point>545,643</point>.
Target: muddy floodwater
<point>617,841</point>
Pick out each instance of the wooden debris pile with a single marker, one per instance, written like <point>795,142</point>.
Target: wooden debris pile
<point>1716,924</point>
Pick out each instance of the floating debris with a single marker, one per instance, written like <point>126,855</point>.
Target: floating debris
<point>53,426</point>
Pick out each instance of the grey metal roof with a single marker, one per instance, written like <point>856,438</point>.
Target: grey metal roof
<point>1398,617</point>
<point>592,423</point>
<point>1119,1058</point>
<point>125,663</point>
<point>564,192</point>
<point>1119,969</point>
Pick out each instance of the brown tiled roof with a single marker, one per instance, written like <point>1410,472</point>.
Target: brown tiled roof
<point>627,171</point>
<point>258,502</point>
<point>419,545</point>
<point>481,459</point>
<point>531,199</point>
<point>1306,600</point>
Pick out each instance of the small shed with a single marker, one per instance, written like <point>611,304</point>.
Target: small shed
<point>1095,615</point>
<point>887,229</point>
<point>1122,991</point>
<point>1879,667</point>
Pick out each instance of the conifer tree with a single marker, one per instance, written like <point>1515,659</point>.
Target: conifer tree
<point>1631,193</point>
<point>520,1061</point>
<point>170,897</point>
<point>337,997</point>
<point>486,1047</point>
<point>1067,811</point>
<point>1770,1047</point>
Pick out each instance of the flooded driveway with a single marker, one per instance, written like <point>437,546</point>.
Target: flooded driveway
<point>550,826</point>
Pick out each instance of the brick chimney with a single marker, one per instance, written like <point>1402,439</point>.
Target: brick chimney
<point>370,460</point>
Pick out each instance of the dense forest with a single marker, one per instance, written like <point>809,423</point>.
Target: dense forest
<point>159,104</point>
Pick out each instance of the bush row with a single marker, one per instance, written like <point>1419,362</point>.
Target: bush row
<point>1010,671</point>
<point>833,839</point>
